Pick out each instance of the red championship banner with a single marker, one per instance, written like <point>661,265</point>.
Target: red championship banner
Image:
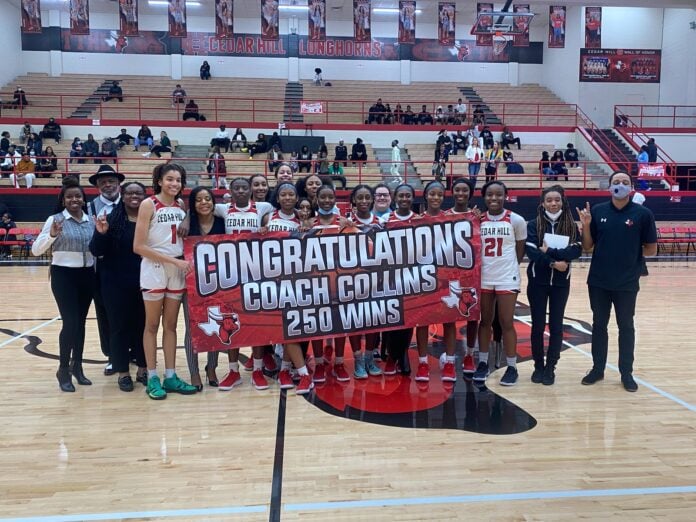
<point>446,22</point>
<point>316,16</point>
<point>521,24</point>
<point>224,19</point>
<point>362,20</point>
<point>407,21</point>
<point>79,16</point>
<point>31,16</point>
<point>177,18</point>
<point>269,20</point>
<point>251,289</point>
<point>557,26</point>
<point>483,22</point>
<point>620,65</point>
<point>593,27</point>
<point>128,14</point>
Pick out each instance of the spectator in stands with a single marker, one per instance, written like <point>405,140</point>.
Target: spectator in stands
<point>512,166</point>
<point>443,138</point>
<point>178,95</point>
<point>558,165</point>
<point>25,170</point>
<point>376,112</point>
<point>144,136</point>
<point>335,169</point>
<point>571,156</point>
<point>11,159</point>
<point>108,149</point>
<point>424,116</point>
<point>205,70</point>
<point>191,111</point>
<point>396,160</point>
<point>221,139</point>
<point>90,147</point>
<point>398,114</point>
<point>652,151</point>
<point>358,151</point>
<point>322,164</point>
<point>6,224</point>
<point>35,144</point>
<point>51,130</point>
<point>451,116</point>
<point>460,109</point>
<point>341,153</point>
<point>239,141</point>
<point>217,168</point>
<point>115,91</point>
<point>275,140</point>
<point>48,163</point>
<point>19,98</point>
<point>475,154</point>
<point>507,137</point>
<point>165,145</point>
<point>459,142</point>
<point>4,142</point>
<point>25,132</point>
<point>479,117</point>
<point>77,150</point>
<point>487,137</point>
<point>123,139</point>
<point>440,118</point>
<point>274,157</point>
<point>304,159</point>
<point>259,146</point>
<point>473,132</point>
<point>642,158</point>
<point>545,166</point>
<point>493,158</point>
<point>621,121</point>
<point>388,115</point>
<point>409,116</point>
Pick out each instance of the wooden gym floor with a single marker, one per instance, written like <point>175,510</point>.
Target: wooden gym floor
<point>530,452</point>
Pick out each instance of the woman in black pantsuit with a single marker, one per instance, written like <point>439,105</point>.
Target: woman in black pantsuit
<point>548,276</point>
<point>69,231</point>
<point>119,273</point>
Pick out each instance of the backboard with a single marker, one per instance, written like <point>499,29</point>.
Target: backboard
<point>501,22</point>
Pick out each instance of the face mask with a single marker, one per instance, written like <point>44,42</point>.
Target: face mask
<point>553,216</point>
<point>620,191</point>
<point>325,212</point>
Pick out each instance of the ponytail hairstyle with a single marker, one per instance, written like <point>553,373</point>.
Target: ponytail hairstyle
<point>161,170</point>
<point>566,224</point>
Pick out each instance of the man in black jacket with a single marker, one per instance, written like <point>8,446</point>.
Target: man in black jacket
<point>341,153</point>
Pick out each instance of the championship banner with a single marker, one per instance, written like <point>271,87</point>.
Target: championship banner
<point>177,18</point>
<point>557,26</point>
<point>446,22</point>
<point>79,16</point>
<point>620,65</point>
<point>316,16</point>
<point>252,289</point>
<point>484,21</point>
<point>522,24</point>
<point>269,19</point>
<point>593,27</point>
<point>654,170</point>
<point>407,21</point>
<point>128,14</point>
<point>224,19</point>
<point>307,107</point>
<point>362,22</point>
<point>31,16</point>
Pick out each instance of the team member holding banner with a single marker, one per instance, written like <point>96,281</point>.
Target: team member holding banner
<point>503,236</point>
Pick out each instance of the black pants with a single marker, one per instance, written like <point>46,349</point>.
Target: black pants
<point>396,344</point>
<point>624,303</point>
<point>223,143</point>
<point>126,318</point>
<point>102,318</point>
<point>556,298</point>
<point>73,289</point>
<point>506,143</point>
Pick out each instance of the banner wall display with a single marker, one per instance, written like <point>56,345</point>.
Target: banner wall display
<point>557,26</point>
<point>251,289</point>
<point>79,16</point>
<point>31,16</point>
<point>407,21</point>
<point>484,22</point>
<point>362,20</point>
<point>270,20</point>
<point>593,27</point>
<point>177,18</point>
<point>620,65</point>
<point>446,22</point>
<point>521,22</point>
<point>316,16</point>
<point>128,15</point>
<point>224,18</point>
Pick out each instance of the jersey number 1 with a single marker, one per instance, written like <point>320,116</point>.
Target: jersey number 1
<point>493,247</point>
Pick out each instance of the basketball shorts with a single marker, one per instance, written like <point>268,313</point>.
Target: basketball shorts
<point>160,280</point>
<point>512,287</point>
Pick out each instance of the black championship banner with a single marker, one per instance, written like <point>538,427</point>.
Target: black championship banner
<point>31,16</point>
<point>521,24</point>
<point>224,18</point>
<point>620,65</point>
<point>362,20</point>
<point>484,22</point>
<point>316,18</point>
<point>177,18</point>
<point>557,26</point>
<point>407,21</point>
<point>270,19</point>
<point>79,16</point>
<point>128,15</point>
<point>446,22</point>
<point>253,289</point>
<point>593,27</point>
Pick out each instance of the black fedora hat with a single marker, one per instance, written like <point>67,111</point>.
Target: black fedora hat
<point>106,171</point>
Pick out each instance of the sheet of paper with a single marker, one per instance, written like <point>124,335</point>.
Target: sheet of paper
<point>556,240</point>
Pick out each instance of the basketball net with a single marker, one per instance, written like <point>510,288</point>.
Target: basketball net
<point>499,43</point>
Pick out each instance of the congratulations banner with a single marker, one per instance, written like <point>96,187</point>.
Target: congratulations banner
<point>521,24</point>
<point>620,65</point>
<point>31,16</point>
<point>557,26</point>
<point>446,22</point>
<point>593,27</point>
<point>407,21</point>
<point>316,18</point>
<point>251,289</point>
<point>362,22</point>
<point>79,16</point>
<point>224,18</point>
<point>269,19</point>
<point>128,15</point>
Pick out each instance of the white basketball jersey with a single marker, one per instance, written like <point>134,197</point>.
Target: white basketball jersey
<point>162,234</point>
<point>280,222</point>
<point>499,236</point>
<point>239,220</point>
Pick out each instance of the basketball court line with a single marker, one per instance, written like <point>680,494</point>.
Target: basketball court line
<point>277,481</point>
<point>27,332</point>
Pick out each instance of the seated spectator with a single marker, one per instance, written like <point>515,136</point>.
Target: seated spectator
<point>341,152</point>
<point>19,98</point>
<point>512,166</point>
<point>424,116</point>
<point>205,70</point>
<point>388,116</point>
<point>376,112</point>
<point>322,163</point>
<point>460,109</point>
<point>441,153</point>
<point>473,132</point>
<point>4,142</point>
<point>479,117</point>
<point>545,166</point>
<point>217,168</point>
<point>90,147</point>
<point>571,156</point>
<point>178,95</point>
<point>275,140</point>
<point>239,141</point>
<point>144,136</point>
<point>25,170</point>
<point>398,114</point>
<point>507,137</point>
<point>318,80</point>
<point>48,163</point>
<point>294,163</point>
<point>409,116</point>
<point>459,142</point>
<point>51,130</point>
<point>6,224</point>
<point>191,112</point>
<point>451,116</point>
<point>487,137</point>
<point>25,132</point>
<point>109,149</point>
<point>115,92</point>
<point>558,166</point>
<point>259,146</point>
<point>77,150</point>
<point>221,139</point>
<point>11,159</point>
<point>123,139</point>
<point>34,143</point>
<point>358,151</point>
<point>440,118</point>
<point>165,145</point>
<point>335,169</point>
<point>275,157</point>
<point>304,159</point>
<point>443,139</point>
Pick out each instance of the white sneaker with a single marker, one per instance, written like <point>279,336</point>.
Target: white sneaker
<point>146,155</point>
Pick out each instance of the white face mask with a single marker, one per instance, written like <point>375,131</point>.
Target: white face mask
<point>553,216</point>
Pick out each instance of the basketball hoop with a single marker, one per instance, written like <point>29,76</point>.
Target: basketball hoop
<point>499,43</point>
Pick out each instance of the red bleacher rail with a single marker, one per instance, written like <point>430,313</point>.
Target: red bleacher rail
<point>665,117</point>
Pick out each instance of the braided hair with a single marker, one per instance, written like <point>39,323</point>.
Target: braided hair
<point>118,218</point>
<point>566,225</point>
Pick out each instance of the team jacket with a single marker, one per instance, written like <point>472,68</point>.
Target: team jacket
<point>539,270</point>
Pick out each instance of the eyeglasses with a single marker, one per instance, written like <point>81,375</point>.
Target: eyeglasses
<point>381,196</point>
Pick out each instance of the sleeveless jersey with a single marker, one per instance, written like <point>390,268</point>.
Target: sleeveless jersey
<point>427,217</point>
<point>499,236</point>
<point>396,218</point>
<point>239,220</point>
<point>162,235</point>
<point>279,222</point>
<point>318,225</point>
<point>372,220</point>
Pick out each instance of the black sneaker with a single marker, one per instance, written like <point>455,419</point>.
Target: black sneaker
<point>481,372</point>
<point>538,375</point>
<point>549,375</point>
<point>628,383</point>
<point>510,377</point>
<point>125,383</point>
<point>592,377</point>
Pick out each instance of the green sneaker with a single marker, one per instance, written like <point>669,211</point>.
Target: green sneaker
<point>176,385</point>
<point>154,389</point>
